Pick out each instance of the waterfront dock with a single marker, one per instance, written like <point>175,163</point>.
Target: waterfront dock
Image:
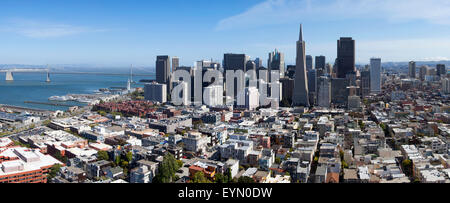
<point>48,103</point>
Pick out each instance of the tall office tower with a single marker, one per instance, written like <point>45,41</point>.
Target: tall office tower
<point>235,62</point>
<point>276,62</point>
<point>375,75</point>
<point>175,63</point>
<point>324,92</point>
<point>320,62</point>
<point>155,92</point>
<point>287,85</point>
<point>412,69</point>
<point>163,72</point>
<point>162,69</point>
<point>258,63</point>
<point>301,93</point>
<point>423,72</point>
<point>345,57</point>
<point>441,70</point>
<point>365,82</point>
<point>309,62</point>
<point>312,83</point>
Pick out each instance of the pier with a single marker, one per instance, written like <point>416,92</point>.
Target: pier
<point>48,103</point>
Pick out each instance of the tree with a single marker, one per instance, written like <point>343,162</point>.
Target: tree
<point>220,178</point>
<point>229,176</point>
<point>316,159</point>
<point>245,179</point>
<point>102,113</point>
<point>344,164</point>
<point>53,171</point>
<point>130,156</point>
<point>103,155</point>
<point>117,160</point>
<point>167,169</point>
<point>199,177</point>
<point>60,157</point>
<point>124,164</point>
<point>180,164</point>
<point>407,167</point>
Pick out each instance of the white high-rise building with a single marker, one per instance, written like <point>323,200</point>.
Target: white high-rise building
<point>375,75</point>
<point>251,98</point>
<point>155,92</point>
<point>213,95</point>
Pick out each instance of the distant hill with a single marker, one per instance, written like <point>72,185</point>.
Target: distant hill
<point>395,65</point>
<point>85,68</point>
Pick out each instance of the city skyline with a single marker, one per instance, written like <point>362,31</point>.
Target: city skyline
<point>136,33</point>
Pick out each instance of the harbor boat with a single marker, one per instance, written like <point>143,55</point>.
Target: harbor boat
<point>60,98</point>
<point>84,100</point>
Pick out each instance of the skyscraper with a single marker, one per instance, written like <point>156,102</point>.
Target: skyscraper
<point>162,69</point>
<point>276,62</point>
<point>345,57</point>
<point>324,92</point>
<point>312,84</point>
<point>301,93</point>
<point>258,63</point>
<point>175,63</point>
<point>163,72</point>
<point>365,82</point>
<point>339,91</point>
<point>412,69</point>
<point>375,75</point>
<point>423,72</point>
<point>235,62</point>
<point>320,62</point>
<point>441,70</point>
<point>309,62</point>
<point>287,85</point>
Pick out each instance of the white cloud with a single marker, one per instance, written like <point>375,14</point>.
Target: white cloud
<point>272,12</point>
<point>37,29</point>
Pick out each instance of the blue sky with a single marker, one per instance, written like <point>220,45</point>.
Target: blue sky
<point>119,33</point>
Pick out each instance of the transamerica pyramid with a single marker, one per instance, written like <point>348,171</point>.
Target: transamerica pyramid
<point>301,94</point>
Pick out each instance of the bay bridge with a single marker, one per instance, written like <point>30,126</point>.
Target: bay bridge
<point>10,73</point>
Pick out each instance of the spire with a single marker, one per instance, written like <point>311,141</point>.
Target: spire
<point>301,33</point>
